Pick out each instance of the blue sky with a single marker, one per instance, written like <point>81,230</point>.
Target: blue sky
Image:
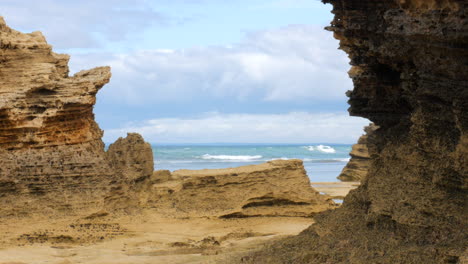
<point>203,70</point>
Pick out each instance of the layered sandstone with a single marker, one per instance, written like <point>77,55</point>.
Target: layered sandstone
<point>52,158</point>
<point>50,147</point>
<point>358,166</point>
<point>410,78</point>
<point>275,188</point>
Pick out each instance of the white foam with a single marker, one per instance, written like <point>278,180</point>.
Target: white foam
<point>309,148</point>
<point>173,161</point>
<point>282,158</point>
<point>326,149</point>
<point>230,157</point>
<point>338,201</point>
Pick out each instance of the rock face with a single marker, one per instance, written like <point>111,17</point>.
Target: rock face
<point>358,166</point>
<point>410,78</point>
<point>131,157</point>
<point>52,158</point>
<point>276,188</point>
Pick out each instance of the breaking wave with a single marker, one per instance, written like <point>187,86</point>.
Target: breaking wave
<point>321,148</point>
<point>326,149</point>
<point>231,157</point>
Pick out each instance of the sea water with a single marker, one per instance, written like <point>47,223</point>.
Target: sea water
<point>323,162</point>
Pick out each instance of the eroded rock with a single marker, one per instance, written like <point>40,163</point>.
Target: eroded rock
<point>52,158</point>
<point>410,78</point>
<point>276,188</point>
<point>358,166</point>
<point>131,157</point>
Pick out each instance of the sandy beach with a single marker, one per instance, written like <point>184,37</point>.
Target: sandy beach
<point>147,237</point>
<point>337,190</point>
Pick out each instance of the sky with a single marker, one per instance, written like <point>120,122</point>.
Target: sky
<point>204,71</point>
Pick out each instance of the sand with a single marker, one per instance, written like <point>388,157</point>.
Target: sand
<point>336,190</point>
<point>146,239</point>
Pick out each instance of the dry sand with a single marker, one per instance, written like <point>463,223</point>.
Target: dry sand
<point>146,238</point>
<point>142,239</point>
<point>336,190</point>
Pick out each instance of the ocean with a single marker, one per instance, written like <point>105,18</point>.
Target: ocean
<point>323,162</point>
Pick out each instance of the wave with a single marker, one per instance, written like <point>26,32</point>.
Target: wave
<point>326,149</point>
<point>282,158</point>
<point>231,157</point>
<point>321,148</point>
<point>173,161</point>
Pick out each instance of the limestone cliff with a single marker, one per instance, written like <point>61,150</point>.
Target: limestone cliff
<point>275,188</point>
<point>50,146</point>
<point>52,158</point>
<point>358,166</point>
<point>410,78</point>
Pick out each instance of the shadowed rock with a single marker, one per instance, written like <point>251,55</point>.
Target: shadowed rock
<point>410,78</point>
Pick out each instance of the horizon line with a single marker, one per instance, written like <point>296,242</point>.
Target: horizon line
<point>244,143</point>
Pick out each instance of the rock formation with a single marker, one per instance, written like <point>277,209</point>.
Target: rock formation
<point>50,146</point>
<point>358,166</point>
<point>53,162</point>
<point>131,157</point>
<point>410,78</point>
<point>52,158</point>
<point>275,188</point>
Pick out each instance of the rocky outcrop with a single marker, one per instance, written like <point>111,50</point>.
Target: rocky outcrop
<point>410,78</point>
<point>131,157</point>
<point>358,166</point>
<point>52,158</point>
<point>53,162</point>
<point>276,188</point>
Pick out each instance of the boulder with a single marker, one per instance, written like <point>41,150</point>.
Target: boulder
<point>131,157</point>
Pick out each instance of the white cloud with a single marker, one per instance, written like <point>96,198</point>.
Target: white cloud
<point>290,4</point>
<point>295,127</point>
<point>83,23</point>
<point>298,62</point>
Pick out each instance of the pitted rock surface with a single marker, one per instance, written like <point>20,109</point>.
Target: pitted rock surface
<point>409,68</point>
<point>131,157</point>
<point>52,158</point>
<point>276,188</point>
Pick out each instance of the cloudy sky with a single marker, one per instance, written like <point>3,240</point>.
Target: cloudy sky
<point>204,71</point>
